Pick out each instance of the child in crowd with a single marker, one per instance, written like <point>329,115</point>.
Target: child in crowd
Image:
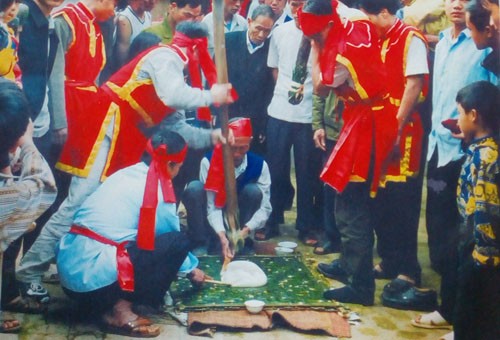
<point>8,41</point>
<point>476,313</point>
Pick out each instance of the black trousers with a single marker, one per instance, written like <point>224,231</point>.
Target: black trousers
<point>281,136</point>
<point>195,201</point>
<point>329,194</point>
<point>154,272</point>
<point>353,213</point>
<point>442,212</point>
<point>477,312</point>
<point>396,218</point>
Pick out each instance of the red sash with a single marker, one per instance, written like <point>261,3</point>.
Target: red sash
<point>125,266</point>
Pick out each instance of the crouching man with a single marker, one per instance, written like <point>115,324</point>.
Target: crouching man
<point>125,247</point>
<point>205,199</point>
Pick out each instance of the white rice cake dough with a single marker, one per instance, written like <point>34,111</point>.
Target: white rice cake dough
<point>243,274</point>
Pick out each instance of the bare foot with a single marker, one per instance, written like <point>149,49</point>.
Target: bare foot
<point>121,314</point>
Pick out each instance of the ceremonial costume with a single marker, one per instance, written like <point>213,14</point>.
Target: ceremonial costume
<point>131,102</point>
<point>205,199</point>
<point>112,223</point>
<point>81,43</point>
<point>349,61</point>
<point>397,206</point>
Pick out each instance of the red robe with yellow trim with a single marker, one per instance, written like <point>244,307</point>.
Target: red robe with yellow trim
<point>135,107</point>
<point>394,55</point>
<point>370,126</point>
<point>84,59</point>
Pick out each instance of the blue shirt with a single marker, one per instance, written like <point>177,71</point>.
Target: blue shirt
<point>112,211</point>
<point>457,63</point>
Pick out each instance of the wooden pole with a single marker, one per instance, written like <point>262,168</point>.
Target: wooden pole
<point>222,78</point>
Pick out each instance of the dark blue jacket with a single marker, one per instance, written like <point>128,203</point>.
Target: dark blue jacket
<point>35,60</point>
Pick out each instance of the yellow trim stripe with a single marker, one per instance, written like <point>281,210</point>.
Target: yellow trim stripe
<point>95,149</point>
<point>72,27</point>
<point>359,89</point>
<point>116,131</point>
<point>124,93</point>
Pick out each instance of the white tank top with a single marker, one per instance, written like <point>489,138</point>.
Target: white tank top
<point>137,24</point>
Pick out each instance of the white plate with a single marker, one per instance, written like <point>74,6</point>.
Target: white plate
<point>287,244</point>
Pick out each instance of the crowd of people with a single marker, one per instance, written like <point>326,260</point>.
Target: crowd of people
<point>109,121</point>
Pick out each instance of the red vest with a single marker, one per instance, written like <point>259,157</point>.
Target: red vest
<point>84,59</point>
<point>394,55</point>
<point>370,126</point>
<point>135,107</point>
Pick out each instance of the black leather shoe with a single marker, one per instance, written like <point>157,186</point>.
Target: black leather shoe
<point>411,299</point>
<point>348,294</point>
<point>397,286</point>
<point>334,271</point>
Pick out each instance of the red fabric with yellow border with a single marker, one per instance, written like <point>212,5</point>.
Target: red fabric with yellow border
<point>394,51</point>
<point>84,59</point>
<point>370,126</point>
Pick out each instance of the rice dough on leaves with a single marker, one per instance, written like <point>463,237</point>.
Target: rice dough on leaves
<point>244,274</point>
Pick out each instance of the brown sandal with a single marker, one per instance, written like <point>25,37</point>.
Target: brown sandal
<point>9,324</point>
<point>139,328</point>
<point>26,305</point>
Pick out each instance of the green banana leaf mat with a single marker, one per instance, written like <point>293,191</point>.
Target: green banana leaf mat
<point>290,285</point>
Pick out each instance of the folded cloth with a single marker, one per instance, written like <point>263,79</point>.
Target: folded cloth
<point>206,323</point>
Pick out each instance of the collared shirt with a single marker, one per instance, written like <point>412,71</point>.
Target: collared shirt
<point>284,17</point>
<point>237,23</point>
<point>283,49</point>
<point>112,211</point>
<point>23,198</point>
<point>252,48</point>
<point>478,201</point>
<point>259,218</point>
<point>457,63</point>
<point>162,30</point>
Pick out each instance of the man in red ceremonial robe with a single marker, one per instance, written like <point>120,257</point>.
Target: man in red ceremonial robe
<point>81,51</point>
<point>397,212</point>
<point>205,199</point>
<point>126,110</point>
<point>348,59</point>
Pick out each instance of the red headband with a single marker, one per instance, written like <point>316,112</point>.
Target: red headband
<point>242,129</point>
<point>197,53</point>
<point>335,41</point>
<point>312,24</point>
<point>157,172</point>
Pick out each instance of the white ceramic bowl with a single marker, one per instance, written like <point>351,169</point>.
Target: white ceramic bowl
<point>283,251</point>
<point>254,306</point>
<point>287,244</point>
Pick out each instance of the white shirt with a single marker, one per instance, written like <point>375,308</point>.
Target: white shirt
<point>283,49</point>
<point>165,68</point>
<point>251,47</point>
<point>260,217</point>
<point>137,24</point>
